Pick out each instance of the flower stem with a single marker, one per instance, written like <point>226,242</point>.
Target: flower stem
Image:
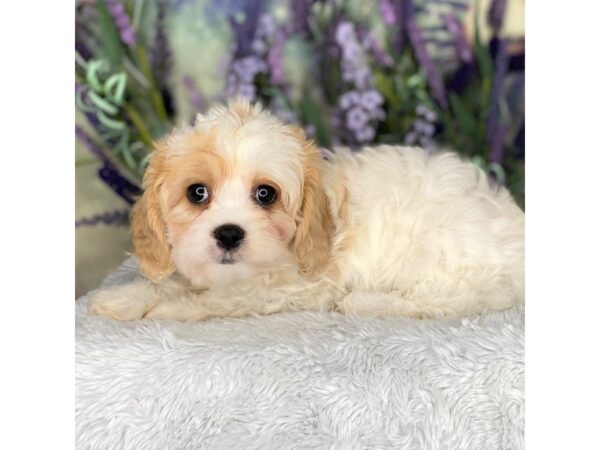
<point>139,125</point>
<point>155,95</point>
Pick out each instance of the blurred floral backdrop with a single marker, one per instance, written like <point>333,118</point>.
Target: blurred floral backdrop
<point>433,73</point>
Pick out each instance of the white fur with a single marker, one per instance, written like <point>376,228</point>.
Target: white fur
<point>428,236</point>
<point>430,229</point>
<point>196,255</point>
<point>299,381</point>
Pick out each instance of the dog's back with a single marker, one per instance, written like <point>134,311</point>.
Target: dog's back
<point>432,230</point>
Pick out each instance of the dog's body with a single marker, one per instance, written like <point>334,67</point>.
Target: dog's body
<point>414,235</point>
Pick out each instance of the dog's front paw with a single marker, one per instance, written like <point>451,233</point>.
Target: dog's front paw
<point>170,310</point>
<point>119,303</point>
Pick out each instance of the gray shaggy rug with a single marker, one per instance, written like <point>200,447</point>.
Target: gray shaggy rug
<point>299,381</point>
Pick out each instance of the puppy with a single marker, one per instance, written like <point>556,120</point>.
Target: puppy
<point>242,215</point>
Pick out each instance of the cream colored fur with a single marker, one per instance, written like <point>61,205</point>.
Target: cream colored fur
<point>421,235</point>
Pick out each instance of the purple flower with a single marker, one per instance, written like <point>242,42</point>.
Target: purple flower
<point>247,68</point>
<point>118,183</point>
<point>434,79</point>
<point>247,91</point>
<point>460,38</point>
<point>349,99</point>
<point>300,13</point>
<point>371,100</point>
<point>363,78</point>
<point>275,60</point>
<point>496,15</point>
<point>356,118</point>
<point>264,35</point>
<point>366,134</point>
<point>427,143</point>
<point>423,129</point>
<point>259,47</point>
<point>497,144</point>
<point>359,107</point>
<point>411,138</point>
<point>160,54</point>
<point>282,111</point>
<point>109,173</point>
<point>495,133</point>
<point>264,54</point>
<point>370,43</point>
<point>89,143</point>
<point>388,12</point>
<point>116,218</point>
<point>428,114</point>
<point>121,19</point>
<point>240,82</point>
<point>266,27</point>
<point>354,63</point>
<point>195,98</point>
<point>84,36</point>
<point>344,33</point>
<point>244,30</point>
<point>378,114</point>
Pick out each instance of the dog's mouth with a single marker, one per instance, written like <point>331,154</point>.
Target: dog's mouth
<point>228,258</point>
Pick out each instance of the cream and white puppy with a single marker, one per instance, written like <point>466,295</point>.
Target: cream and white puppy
<point>242,215</point>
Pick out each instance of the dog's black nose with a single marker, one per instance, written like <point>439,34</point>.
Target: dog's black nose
<point>229,236</point>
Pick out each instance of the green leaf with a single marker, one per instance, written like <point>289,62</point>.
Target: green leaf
<point>484,59</point>
<point>466,121</point>
<point>126,152</point>
<point>143,163</point>
<point>414,80</point>
<point>498,171</point>
<point>103,104</point>
<point>399,86</point>
<point>112,124</point>
<point>109,34</point>
<point>422,96</point>
<point>479,162</point>
<point>385,86</point>
<point>114,87</point>
<point>81,105</point>
<point>91,75</point>
<point>311,113</point>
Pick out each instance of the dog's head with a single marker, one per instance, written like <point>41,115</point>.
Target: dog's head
<point>237,194</point>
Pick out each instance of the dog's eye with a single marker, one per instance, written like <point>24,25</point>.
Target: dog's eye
<point>197,193</point>
<point>265,194</point>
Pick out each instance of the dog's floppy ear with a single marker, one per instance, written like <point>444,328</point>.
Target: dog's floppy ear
<point>149,233</point>
<point>313,240</point>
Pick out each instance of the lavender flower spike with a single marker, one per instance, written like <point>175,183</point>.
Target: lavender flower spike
<point>369,42</point>
<point>240,82</point>
<point>496,15</point>
<point>359,108</point>
<point>89,143</point>
<point>118,183</point>
<point>195,98</point>
<point>160,53</point>
<point>275,60</point>
<point>300,13</point>
<point>434,79</point>
<point>495,133</point>
<point>121,19</point>
<point>423,129</point>
<point>116,218</point>
<point>388,12</point>
<point>460,38</point>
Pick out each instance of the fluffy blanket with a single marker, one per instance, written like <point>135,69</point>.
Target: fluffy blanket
<point>299,381</point>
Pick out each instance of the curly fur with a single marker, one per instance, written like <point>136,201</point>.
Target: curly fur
<point>414,234</point>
